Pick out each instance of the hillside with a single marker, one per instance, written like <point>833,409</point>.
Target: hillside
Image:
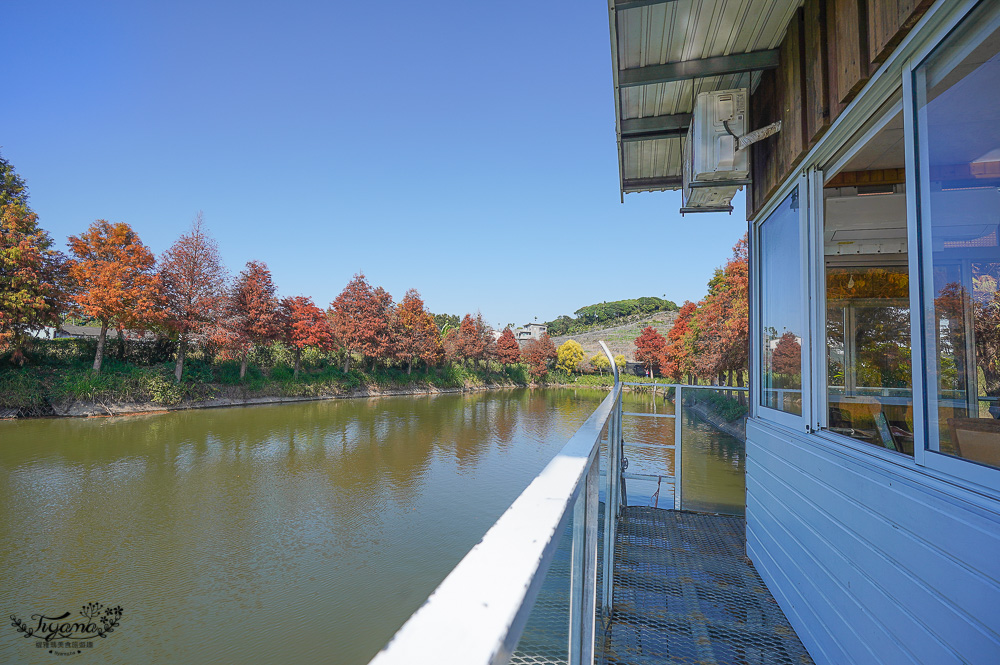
<point>620,337</point>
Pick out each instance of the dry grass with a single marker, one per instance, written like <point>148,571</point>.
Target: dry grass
<point>620,339</point>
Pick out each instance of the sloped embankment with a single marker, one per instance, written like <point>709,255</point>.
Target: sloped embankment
<point>620,338</point>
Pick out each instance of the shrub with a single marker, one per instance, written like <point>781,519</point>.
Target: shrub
<point>21,387</point>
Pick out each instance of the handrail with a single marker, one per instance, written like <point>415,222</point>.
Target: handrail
<point>611,359</point>
<point>684,385</point>
<point>477,614</point>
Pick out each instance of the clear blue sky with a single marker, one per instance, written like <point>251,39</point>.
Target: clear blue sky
<point>466,149</point>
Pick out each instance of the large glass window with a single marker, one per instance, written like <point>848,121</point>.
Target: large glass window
<point>958,121</point>
<point>869,394</point>
<point>782,318</point>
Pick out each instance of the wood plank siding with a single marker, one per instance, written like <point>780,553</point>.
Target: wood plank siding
<point>830,50</point>
<point>888,23</point>
<point>817,64</point>
<point>873,561</point>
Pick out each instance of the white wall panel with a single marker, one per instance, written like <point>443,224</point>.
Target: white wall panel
<point>873,561</point>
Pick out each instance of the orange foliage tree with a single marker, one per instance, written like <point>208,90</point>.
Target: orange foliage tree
<point>486,348</point>
<point>252,313</point>
<point>193,278</point>
<point>450,344</point>
<point>361,317</point>
<point>539,353</point>
<point>676,361</point>
<point>117,282</point>
<point>302,324</point>
<point>33,279</point>
<point>787,355</point>
<point>649,347</point>
<point>418,337</point>
<point>469,345</point>
<point>508,350</point>
<point>722,324</point>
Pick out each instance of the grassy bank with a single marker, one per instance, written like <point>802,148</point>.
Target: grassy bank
<point>726,406</point>
<point>60,372</point>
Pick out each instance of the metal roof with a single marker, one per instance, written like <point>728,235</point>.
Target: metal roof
<point>664,52</point>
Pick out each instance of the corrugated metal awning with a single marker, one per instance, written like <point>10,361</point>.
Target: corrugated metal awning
<point>664,52</point>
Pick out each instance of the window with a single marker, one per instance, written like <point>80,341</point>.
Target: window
<point>869,390</point>
<point>782,317</point>
<point>957,90</point>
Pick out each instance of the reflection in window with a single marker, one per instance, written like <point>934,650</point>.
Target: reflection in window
<point>869,372</point>
<point>868,361</point>
<point>782,319</point>
<point>958,100</point>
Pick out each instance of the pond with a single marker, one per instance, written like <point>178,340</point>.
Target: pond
<point>301,532</point>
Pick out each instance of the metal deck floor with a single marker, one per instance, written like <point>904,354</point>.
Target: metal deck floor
<point>685,593</point>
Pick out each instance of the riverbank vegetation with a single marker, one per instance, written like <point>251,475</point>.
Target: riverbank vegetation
<point>61,372</point>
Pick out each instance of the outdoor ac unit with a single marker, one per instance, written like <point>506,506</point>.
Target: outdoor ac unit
<point>714,166</point>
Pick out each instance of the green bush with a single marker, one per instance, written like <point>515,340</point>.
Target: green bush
<point>728,408</point>
<point>195,371</point>
<point>21,388</point>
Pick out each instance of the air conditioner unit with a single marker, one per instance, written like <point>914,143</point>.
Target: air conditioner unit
<point>714,166</point>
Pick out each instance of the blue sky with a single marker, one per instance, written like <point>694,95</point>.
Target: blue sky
<point>465,149</point>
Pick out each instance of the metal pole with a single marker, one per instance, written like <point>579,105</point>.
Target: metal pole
<point>678,446</point>
<point>576,585</point>
<point>583,583</point>
<point>622,460</point>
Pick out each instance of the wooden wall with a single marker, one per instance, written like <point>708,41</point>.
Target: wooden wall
<point>829,52</point>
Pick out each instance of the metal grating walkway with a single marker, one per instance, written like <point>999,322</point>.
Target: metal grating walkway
<point>685,593</point>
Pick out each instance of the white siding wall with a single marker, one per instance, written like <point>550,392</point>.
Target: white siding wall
<point>872,561</point>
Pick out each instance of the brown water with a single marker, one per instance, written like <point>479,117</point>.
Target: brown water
<point>304,532</point>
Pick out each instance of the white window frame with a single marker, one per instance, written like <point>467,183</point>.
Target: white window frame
<point>790,420</point>
<point>925,412</point>
<point>817,278</point>
<point>931,30</point>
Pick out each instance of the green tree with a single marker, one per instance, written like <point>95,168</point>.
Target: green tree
<point>569,355</point>
<point>12,187</point>
<point>620,362</point>
<point>447,321</point>
<point>600,362</point>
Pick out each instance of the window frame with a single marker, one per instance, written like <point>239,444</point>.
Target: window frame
<point>817,278</point>
<point>937,24</point>
<point>925,414</point>
<point>790,420</point>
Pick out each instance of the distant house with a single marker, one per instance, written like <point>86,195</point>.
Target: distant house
<point>530,331</point>
<point>92,332</point>
<point>65,331</point>
<point>638,369</point>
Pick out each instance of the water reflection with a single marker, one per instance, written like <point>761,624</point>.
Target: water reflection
<point>288,533</point>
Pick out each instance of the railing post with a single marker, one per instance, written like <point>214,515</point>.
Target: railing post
<point>619,446</point>
<point>611,494</point>
<point>678,446</point>
<point>583,581</point>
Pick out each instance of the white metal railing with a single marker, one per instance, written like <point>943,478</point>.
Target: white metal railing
<point>477,614</point>
<point>676,476</point>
